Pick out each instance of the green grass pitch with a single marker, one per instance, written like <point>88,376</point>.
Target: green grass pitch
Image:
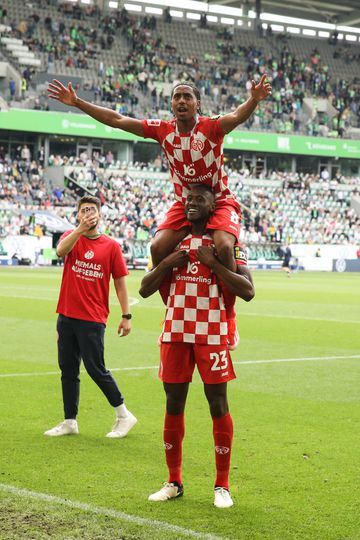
<point>295,465</point>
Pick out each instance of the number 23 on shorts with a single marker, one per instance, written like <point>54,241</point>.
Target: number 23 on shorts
<point>219,360</point>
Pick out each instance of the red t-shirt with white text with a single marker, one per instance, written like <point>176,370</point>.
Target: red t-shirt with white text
<point>84,292</point>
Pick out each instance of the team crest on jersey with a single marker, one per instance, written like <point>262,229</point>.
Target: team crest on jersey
<point>89,254</point>
<point>240,255</point>
<point>153,122</point>
<point>197,145</point>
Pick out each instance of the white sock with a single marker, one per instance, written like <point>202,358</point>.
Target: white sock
<point>121,411</point>
<point>70,421</point>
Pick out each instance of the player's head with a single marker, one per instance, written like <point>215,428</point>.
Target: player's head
<point>185,100</point>
<point>89,205</point>
<point>200,203</point>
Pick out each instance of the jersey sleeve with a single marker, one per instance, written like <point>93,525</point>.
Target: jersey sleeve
<point>213,129</point>
<point>240,255</point>
<point>153,129</point>
<point>118,264</point>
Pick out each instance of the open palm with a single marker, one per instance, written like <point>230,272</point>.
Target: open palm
<point>65,94</point>
<point>261,90</point>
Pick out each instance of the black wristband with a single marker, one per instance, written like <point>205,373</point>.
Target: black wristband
<point>126,316</point>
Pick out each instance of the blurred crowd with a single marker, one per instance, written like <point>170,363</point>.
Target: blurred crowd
<point>141,85</point>
<point>302,208</point>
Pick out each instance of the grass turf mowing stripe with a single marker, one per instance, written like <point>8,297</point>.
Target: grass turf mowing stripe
<point>238,363</point>
<point>137,520</point>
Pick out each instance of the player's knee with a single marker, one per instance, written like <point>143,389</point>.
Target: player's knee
<point>218,407</point>
<point>174,406</point>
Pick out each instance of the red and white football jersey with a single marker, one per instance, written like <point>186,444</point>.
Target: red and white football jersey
<point>195,311</point>
<point>195,157</point>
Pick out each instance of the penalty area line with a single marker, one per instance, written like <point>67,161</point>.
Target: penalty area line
<point>85,507</point>
<point>238,363</point>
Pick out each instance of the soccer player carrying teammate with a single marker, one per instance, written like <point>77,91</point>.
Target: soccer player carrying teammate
<point>91,258</point>
<point>190,281</point>
<point>193,145</point>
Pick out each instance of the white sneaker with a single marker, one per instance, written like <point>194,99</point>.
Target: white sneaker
<point>122,426</point>
<point>67,427</point>
<point>168,491</point>
<point>222,498</point>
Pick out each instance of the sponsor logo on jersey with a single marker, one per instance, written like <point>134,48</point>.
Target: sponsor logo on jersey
<point>222,450</point>
<point>240,254</point>
<point>192,267</point>
<point>89,254</point>
<point>197,144</point>
<point>189,170</point>
<point>153,122</point>
<point>167,446</point>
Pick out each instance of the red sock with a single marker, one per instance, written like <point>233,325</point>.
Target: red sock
<point>223,434</point>
<point>174,430</point>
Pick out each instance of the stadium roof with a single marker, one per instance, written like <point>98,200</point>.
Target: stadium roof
<point>322,13</point>
<point>333,11</point>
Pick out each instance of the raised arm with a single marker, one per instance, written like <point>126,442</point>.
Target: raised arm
<point>67,95</point>
<point>154,279</point>
<point>260,91</point>
<point>239,282</point>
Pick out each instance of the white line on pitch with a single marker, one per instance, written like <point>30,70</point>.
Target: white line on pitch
<point>302,317</point>
<point>85,507</point>
<point>240,362</point>
<point>307,359</point>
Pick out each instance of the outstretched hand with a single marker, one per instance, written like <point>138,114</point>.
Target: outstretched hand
<point>64,94</point>
<point>261,90</point>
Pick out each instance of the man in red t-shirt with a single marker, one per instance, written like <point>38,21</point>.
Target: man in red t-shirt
<point>91,258</point>
<point>190,281</point>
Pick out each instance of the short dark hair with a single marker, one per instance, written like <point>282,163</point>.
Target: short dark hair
<point>203,187</point>
<point>90,199</point>
<point>194,89</point>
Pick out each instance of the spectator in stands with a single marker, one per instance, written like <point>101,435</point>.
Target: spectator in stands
<point>12,89</point>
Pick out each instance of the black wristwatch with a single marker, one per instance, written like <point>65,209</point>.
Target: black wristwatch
<point>126,316</point>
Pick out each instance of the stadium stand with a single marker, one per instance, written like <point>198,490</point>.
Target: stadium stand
<point>130,62</point>
<point>284,207</point>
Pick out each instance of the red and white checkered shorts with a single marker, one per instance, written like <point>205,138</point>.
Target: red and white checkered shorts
<point>178,360</point>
